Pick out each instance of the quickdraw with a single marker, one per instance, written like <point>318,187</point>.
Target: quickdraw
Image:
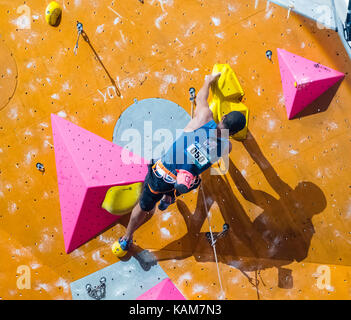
<point>79,30</point>
<point>219,235</point>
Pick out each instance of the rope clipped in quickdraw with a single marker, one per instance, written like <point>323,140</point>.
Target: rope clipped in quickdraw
<point>85,37</point>
<point>79,30</point>
<point>192,100</point>
<point>219,235</point>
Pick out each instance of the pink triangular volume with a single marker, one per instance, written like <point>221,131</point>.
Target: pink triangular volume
<point>165,290</point>
<point>303,81</point>
<point>87,166</point>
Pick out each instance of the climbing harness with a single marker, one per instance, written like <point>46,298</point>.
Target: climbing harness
<point>98,292</point>
<point>79,30</point>
<point>192,99</point>
<point>161,171</point>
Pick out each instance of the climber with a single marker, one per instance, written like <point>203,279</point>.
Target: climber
<point>177,172</point>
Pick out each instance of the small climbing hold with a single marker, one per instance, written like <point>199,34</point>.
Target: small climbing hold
<point>53,14</point>
<point>40,167</point>
<point>269,54</point>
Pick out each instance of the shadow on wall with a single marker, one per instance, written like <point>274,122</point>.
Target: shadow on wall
<point>113,82</point>
<point>322,103</point>
<point>281,234</point>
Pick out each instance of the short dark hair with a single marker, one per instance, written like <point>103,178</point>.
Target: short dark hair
<point>234,122</point>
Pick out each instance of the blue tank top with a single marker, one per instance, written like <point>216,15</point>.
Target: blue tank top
<point>196,151</point>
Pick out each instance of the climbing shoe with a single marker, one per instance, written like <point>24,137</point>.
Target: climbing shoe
<point>164,204</point>
<point>121,247</point>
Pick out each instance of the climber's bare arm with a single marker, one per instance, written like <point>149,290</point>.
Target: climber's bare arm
<point>202,113</point>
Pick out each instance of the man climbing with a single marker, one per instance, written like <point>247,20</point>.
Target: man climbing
<point>177,172</point>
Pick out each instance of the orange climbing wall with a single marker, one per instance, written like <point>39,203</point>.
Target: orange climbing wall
<point>287,195</point>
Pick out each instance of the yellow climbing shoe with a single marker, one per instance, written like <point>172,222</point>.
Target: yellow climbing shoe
<point>120,248</point>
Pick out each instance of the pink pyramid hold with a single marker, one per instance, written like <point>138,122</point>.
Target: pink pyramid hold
<point>303,81</point>
<point>165,290</point>
<point>87,166</point>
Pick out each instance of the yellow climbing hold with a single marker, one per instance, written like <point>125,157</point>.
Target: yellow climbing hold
<point>120,200</point>
<point>53,13</point>
<point>228,84</point>
<point>226,97</point>
<point>214,106</point>
<point>117,250</point>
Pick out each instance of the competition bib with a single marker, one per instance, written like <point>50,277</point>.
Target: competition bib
<point>197,155</point>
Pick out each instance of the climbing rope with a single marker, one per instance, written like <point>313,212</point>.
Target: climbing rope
<point>213,242</point>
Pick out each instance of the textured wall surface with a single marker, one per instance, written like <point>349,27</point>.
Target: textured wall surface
<point>286,197</point>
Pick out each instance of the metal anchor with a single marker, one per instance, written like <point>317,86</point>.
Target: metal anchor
<point>40,167</point>
<point>98,292</point>
<point>269,54</point>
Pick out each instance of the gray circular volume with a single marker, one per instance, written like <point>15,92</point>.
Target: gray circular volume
<point>148,127</point>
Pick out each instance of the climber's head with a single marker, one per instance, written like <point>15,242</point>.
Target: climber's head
<point>234,122</point>
<point>309,198</point>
